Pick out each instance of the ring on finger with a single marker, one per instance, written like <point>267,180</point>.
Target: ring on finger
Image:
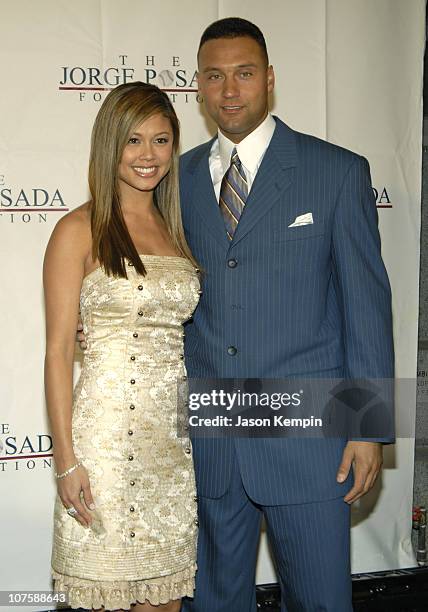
<point>72,511</point>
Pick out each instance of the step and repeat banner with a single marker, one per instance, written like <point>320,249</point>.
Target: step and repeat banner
<point>349,71</point>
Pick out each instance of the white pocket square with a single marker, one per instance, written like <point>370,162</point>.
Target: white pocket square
<point>305,219</point>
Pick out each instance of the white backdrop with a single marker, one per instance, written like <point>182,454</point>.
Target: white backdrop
<point>349,71</point>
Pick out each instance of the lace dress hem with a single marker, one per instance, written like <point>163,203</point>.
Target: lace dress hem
<point>114,595</point>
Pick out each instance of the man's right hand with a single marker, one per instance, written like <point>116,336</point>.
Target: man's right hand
<point>80,336</point>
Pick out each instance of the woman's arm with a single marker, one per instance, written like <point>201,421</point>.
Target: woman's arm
<point>62,277</point>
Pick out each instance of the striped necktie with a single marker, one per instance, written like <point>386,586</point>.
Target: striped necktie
<point>233,194</point>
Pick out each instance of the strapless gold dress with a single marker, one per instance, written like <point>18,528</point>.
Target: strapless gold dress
<point>142,545</point>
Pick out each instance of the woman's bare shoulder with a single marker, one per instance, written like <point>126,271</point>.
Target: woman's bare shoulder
<point>76,220</point>
<point>73,232</point>
<point>75,224</point>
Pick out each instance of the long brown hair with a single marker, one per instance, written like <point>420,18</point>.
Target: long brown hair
<point>123,110</point>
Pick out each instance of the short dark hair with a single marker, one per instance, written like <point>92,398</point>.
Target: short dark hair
<point>234,27</point>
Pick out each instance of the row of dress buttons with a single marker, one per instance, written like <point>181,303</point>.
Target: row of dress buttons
<point>132,407</point>
<point>131,482</point>
<point>188,450</point>
<point>132,358</point>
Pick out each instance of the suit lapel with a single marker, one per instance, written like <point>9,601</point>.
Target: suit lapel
<point>203,197</point>
<point>274,177</point>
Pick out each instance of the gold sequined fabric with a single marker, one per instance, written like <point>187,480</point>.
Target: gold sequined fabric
<point>142,544</point>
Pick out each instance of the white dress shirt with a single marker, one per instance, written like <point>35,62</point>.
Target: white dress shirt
<point>251,151</point>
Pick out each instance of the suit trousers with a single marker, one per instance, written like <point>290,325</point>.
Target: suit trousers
<point>310,543</point>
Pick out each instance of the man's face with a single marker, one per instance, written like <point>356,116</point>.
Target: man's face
<point>235,81</point>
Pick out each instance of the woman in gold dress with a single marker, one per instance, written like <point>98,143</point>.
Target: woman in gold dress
<point>125,515</point>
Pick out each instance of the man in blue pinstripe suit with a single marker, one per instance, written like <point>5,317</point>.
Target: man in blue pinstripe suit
<point>294,285</point>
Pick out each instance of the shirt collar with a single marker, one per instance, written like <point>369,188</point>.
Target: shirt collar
<point>251,149</point>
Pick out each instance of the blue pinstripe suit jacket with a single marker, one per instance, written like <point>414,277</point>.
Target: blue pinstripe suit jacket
<point>305,301</point>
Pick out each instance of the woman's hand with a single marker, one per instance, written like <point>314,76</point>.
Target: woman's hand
<point>80,336</point>
<point>75,492</point>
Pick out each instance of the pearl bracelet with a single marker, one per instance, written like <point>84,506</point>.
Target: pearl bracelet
<point>69,471</point>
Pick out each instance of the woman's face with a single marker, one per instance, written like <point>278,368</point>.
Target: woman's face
<point>146,158</point>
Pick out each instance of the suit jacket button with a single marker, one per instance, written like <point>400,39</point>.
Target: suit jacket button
<point>232,350</point>
<point>232,263</point>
